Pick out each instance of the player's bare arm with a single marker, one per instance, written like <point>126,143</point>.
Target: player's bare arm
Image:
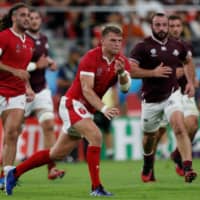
<point>190,75</point>
<point>160,71</point>
<point>87,85</point>
<point>22,74</point>
<point>179,72</point>
<point>189,70</point>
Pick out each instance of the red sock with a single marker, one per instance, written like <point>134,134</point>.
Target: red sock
<point>51,165</point>
<point>36,160</point>
<point>93,160</point>
<point>187,165</point>
<point>148,163</point>
<point>176,154</point>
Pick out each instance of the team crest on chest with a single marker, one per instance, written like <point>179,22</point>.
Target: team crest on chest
<point>18,48</point>
<point>99,71</point>
<point>163,48</point>
<point>175,52</point>
<point>38,42</point>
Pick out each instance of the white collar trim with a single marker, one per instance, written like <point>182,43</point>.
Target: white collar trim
<point>21,37</point>
<point>158,41</point>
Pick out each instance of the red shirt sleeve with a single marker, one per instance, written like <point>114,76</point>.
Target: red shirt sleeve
<point>88,64</point>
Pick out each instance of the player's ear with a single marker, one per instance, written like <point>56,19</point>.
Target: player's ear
<point>13,18</point>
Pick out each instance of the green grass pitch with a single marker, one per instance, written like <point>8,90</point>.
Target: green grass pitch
<point>122,178</point>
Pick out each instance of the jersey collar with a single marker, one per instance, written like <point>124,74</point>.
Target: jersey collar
<point>106,58</point>
<point>21,37</point>
<point>158,41</point>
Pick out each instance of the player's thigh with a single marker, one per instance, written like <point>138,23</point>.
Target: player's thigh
<point>43,100</point>
<point>190,107</point>
<point>72,111</point>
<point>151,116</point>
<point>174,105</point>
<point>12,120</point>
<point>13,113</point>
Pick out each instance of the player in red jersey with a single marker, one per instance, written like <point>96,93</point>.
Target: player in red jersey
<point>15,54</point>
<point>99,69</point>
<point>42,105</point>
<point>155,60</point>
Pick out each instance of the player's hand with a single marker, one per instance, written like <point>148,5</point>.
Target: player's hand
<point>43,62</point>
<point>111,112</point>
<point>30,94</point>
<point>179,72</point>
<point>162,71</point>
<point>22,74</point>
<point>119,65</point>
<point>189,90</point>
<point>52,64</point>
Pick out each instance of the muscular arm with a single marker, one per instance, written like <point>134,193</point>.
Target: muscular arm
<point>22,74</point>
<point>6,68</point>
<point>87,85</point>
<point>189,70</point>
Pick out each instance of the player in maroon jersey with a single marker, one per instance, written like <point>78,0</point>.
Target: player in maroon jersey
<point>99,69</point>
<point>15,54</point>
<point>191,112</point>
<point>42,105</point>
<point>155,60</point>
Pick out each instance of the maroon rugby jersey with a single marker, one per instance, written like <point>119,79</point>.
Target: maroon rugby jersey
<point>37,79</point>
<point>15,52</point>
<point>104,74</point>
<point>149,54</point>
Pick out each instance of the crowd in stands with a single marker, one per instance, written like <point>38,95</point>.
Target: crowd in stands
<point>81,28</point>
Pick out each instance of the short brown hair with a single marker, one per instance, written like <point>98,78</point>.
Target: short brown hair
<point>111,28</point>
<point>175,17</point>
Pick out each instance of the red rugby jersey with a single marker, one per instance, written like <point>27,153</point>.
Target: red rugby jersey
<point>94,64</point>
<point>15,52</point>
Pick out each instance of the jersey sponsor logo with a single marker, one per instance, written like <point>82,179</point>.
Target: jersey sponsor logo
<point>153,52</point>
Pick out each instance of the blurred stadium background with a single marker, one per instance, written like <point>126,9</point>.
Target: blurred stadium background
<point>77,24</point>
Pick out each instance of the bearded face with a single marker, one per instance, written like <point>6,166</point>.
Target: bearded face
<point>160,27</point>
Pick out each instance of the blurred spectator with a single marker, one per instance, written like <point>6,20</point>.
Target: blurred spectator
<point>65,77</point>
<point>74,26</point>
<point>56,19</point>
<point>66,73</point>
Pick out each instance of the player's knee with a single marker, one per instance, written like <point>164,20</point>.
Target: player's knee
<point>193,127</point>
<point>45,116</point>
<point>97,139</point>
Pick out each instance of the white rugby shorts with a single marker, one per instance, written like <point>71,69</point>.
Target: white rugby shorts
<point>17,102</point>
<point>153,113</point>
<point>42,100</point>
